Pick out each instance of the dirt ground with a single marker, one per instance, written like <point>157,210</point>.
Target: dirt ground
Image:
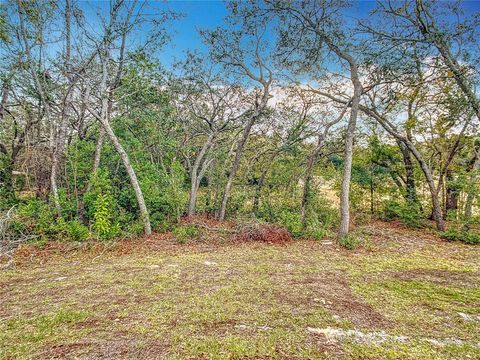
<point>403,294</point>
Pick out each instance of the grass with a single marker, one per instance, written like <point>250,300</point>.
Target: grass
<point>159,299</point>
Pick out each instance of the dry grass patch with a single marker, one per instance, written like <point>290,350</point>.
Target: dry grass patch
<point>219,299</point>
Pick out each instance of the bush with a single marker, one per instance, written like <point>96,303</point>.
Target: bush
<point>350,241</point>
<point>315,232</point>
<point>101,185</point>
<point>102,218</point>
<point>77,231</point>
<point>408,213</point>
<point>292,222</point>
<point>457,233</point>
<point>237,203</point>
<point>68,204</point>
<point>134,228</point>
<point>185,232</point>
<point>37,218</point>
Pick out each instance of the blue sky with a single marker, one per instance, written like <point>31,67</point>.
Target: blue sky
<point>197,15</point>
<point>209,14</point>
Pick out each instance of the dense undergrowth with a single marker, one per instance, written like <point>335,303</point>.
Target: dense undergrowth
<point>105,220</point>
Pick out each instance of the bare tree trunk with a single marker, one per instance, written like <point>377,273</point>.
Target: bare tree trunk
<point>96,166</point>
<point>460,79</point>
<point>258,191</point>
<point>44,102</point>
<point>98,151</point>
<point>132,176</point>
<point>436,207</point>
<point>5,96</point>
<point>372,198</point>
<point>307,186</point>
<point>195,178</point>
<point>471,189</point>
<point>437,210</point>
<point>235,166</point>
<point>451,194</point>
<point>53,180</point>
<point>347,169</point>
<point>60,136</point>
<point>261,181</point>
<point>8,164</point>
<point>103,118</point>
<point>410,188</point>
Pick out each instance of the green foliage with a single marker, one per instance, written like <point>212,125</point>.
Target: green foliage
<point>133,228</point>
<point>292,222</point>
<point>408,213</point>
<point>7,193</point>
<point>183,233</point>
<point>350,241</point>
<point>237,203</point>
<point>320,218</point>
<point>316,232</point>
<point>164,193</point>
<point>457,232</point>
<point>37,218</point>
<point>79,165</point>
<point>103,224</point>
<point>4,36</point>
<point>100,184</point>
<point>77,231</point>
<point>68,204</point>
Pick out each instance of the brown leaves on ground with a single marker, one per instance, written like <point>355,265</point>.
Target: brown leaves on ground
<point>254,231</point>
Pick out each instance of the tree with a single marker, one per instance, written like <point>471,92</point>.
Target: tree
<point>40,81</point>
<point>324,125</point>
<point>314,23</point>
<point>208,107</point>
<point>422,22</point>
<point>243,51</point>
<point>104,55</point>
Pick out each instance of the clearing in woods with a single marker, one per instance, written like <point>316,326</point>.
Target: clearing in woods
<point>403,294</point>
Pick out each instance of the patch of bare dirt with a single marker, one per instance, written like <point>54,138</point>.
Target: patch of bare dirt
<point>63,351</point>
<point>115,349</point>
<point>331,350</point>
<point>442,277</point>
<point>332,291</point>
<point>394,231</point>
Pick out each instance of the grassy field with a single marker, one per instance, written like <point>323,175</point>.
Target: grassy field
<point>407,295</point>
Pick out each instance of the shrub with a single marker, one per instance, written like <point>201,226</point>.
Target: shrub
<point>408,213</point>
<point>67,204</point>
<point>185,232</point>
<point>292,222</point>
<point>134,228</point>
<point>456,233</point>
<point>237,203</point>
<point>37,218</point>
<point>100,185</point>
<point>102,218</point>
<point>322,214</point>
<point>350,241</point>
<point>317,232</point>
<point>77,231</point>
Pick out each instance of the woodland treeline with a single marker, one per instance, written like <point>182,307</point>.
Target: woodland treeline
<point>297,113</point>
